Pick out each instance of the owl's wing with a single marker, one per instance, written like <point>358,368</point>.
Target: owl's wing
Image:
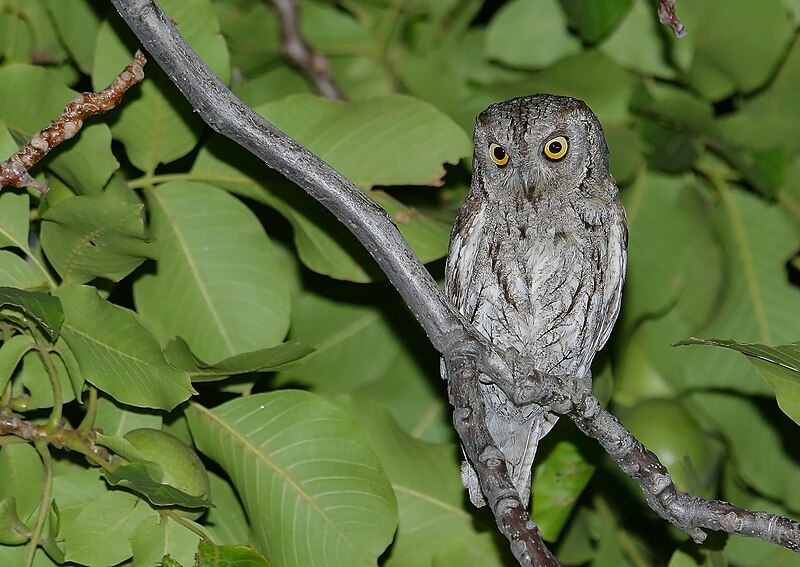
<point>462,257</point>
<point>616,263</point>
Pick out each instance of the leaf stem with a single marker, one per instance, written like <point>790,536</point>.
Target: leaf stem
<point>150,180</point>
<point>45,352</point>
<point>91,412</point>
<point>44,501</point>
<point>190,525</point>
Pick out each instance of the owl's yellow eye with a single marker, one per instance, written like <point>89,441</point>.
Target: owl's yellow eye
<point>556,148</point>
<point>498,154</point>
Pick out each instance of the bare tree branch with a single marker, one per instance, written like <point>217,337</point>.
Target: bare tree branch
<point>295,47</point>
<point>668,17</point>
<point>464,351</point>
<point>60,437</point>
<point>14,171</point>
<point>567,396</point>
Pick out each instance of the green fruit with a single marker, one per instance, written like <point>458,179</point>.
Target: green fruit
<point>182,468</point>
<point>636,376</point>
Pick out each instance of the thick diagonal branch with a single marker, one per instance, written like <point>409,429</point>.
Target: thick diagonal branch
<point>447,331</point>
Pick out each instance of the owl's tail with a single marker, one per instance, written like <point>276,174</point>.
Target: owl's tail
<point>517,432</point>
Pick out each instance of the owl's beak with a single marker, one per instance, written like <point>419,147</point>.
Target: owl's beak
<point>529,182</point>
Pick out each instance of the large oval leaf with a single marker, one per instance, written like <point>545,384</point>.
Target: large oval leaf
<point>392,140</point>
<point>218,283</point>
<point>530,33</point>
<point>738,44</point>
<point>430,496</point>
<point>89,237</point>
<point>323,243</point>
<point>313,488</point>
<point>758,304</point>
<point>117,354</point>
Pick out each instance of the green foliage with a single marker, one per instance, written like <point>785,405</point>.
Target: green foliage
<point>170,281</point>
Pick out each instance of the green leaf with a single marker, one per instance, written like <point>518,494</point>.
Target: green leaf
<point>429,237</point>
<point>11,353</point>
<point>87,165</point>
<point>758,303</point>
<point>738,44</point>
<point>671,252</point>
<point>18,554</point>
<point>156,537</point>
<point>179,355</point>
<point>323,243</point>
<point>756,433</point>
<point>637,42</point>
<point>23,477</point>
<point>427,482</point>
<point>42,307</point>
<point>37,383</point>
<point>779,365</point>
<point>17,273</point>
<point>14,211</point>
<point>560,477</point>
<point>578,76</point>
<point>31,98</point>
<point>117,354</point>
<point>12,530</point>
<point>252,33</point>
<point>116,419</point>
<point>101,532</point>
<point>593,20</point>
<point>226,521</point>
<point>218,283</point>
<point>75,490</point>
<point>145,479</point>
<point>28,35</point>
<point>77,23</point>
<point>158,125</point>
<point>530,33</point>
<point>345,336</point>
<point>210,555</point>
<point>767,120</point>
<point>88,237</point>
<point>312,486</point>
<point>392,140</point>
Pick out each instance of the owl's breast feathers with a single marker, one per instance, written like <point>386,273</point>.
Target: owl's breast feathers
<point>545,278</point>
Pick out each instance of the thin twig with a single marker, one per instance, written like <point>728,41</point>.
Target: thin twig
<point>295,47</point>
<point>59,438</point>
<point>14,171</point>
<point>668,17</point>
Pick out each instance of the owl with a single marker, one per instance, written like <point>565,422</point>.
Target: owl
<point>537,256</point>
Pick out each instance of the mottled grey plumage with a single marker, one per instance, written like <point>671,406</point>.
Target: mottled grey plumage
<point>537,256</point>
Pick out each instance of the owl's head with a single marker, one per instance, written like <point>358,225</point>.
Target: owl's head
<point>540,144</point>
